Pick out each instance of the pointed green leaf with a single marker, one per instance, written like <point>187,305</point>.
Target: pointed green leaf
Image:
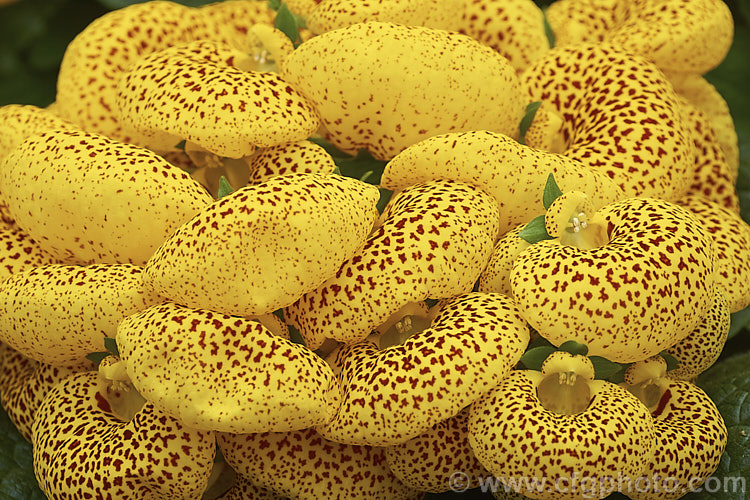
<point>604,368</point>
<point>287,24</point>
<point>224,187</point>
<point>97,357</point>
<point>533,358</point>
<point>180,145</point>
<point>528,119</point>
<point>111,345</point>
<point>574,348</point>
<point>548,30</point>
<point>17,481</point>
<point>295,336</point>
<point>551,192</point>
<point>274,4</point>
<point>672,362</point>
<point>385,197</point>
<point>535,231</point>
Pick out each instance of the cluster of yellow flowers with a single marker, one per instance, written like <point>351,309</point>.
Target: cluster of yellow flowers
<point>562,227</point>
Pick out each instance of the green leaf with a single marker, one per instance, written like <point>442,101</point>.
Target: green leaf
<point>535,231</point>
<point>604,368</point>
<point>574,348</point>
<point>287,24</point>
<point>295,336</point>
<point>357,166</point>
<point>180,145</point>
<point>17,481</point>
<point>728,384</point>
<point>111,345</point>
<point>224,187</point>
<point>672,362</point>
<point>551,192</point>
<point>274,4</point>
<point>97,357</point>
<point>385,197</point>
<point>528,119</point>
<point>367,175</point>
<point>548,30</point>
<point>533,358</point>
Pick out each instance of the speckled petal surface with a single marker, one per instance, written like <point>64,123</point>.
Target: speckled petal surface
<point>24,383</point>
<point>434,240</point>
<point>514,174</point>
<point>263,246</point>
<point>87,199</point>
<point>620,114</point>
<point>6,219</point>
<point>428,461</point>
<point>514,436</point>
<point>296,158</point>
<point>690,439</point>
<point>225,373</point>
<point>685,36</point>
<point>731,236</point>
<point>206,93</point>
<point>705,97</point>
<point>496,276</point>
<point>702,347</point>
<point>642,292</point>
<point>306,466</point>
<point>19,252</point>
<point>81,449</point>
<point>395,394</point>
<point>334,14</point>
<point>384,87</point>
<point>19,122</point>
<point>97,58</point>
<point>712,177</point>
<point>59,314</point>
<point>514,28</point>
<point>244,489</point>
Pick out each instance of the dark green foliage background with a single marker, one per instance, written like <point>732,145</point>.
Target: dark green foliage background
<point>33,37</point>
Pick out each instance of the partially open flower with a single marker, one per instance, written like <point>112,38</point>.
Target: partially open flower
<point>496,276</point>
<point>690,436</point>
<point>433,241</point>
<point>706,98</point>
<point>384,87</point>
<point>164,97</point>
<point>702,347</point>
<point>428,461</point>
<point>514,28</point>
<point>96,59</point>
<point>394,393</point>
<point>87,199</point>
<point>232,19</point>
<point>58,314</point>
<point>24,383</point>
<point>306,466</point>
<point>81,450</point>
<point>559,426</point>
<point>217,372</point>
<point>514,174</point>
<point>680,36</point>
<point>262,247</point>
<point>712,178</point>
<point>645,283</point>
<point>329,15</point>
<point>731,236</point>
<point>295,158</point>
<point>620,116</point>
